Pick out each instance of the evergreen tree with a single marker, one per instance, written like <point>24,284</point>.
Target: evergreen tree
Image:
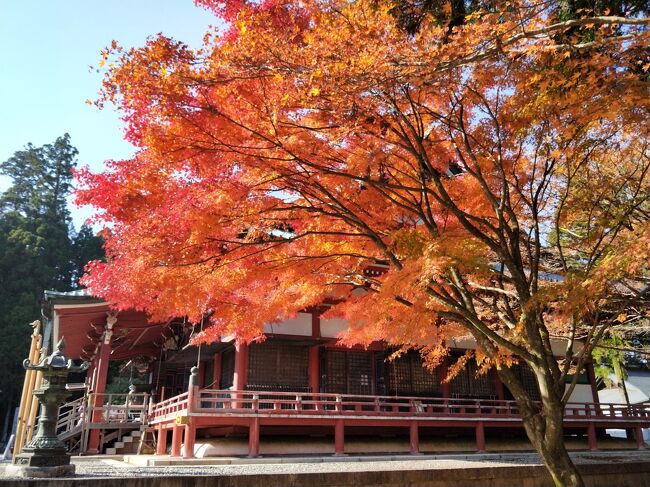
<point>39,249</point>
<point>86,246</point>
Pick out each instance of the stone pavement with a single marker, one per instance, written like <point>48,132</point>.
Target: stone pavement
<point>116,467</point>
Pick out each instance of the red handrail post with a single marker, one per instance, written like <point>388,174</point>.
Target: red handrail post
<point>480,437</point>
<point>414,437</point>
<point>339,438</point>
<point>193,394</point>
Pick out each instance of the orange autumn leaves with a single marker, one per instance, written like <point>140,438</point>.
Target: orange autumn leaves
<point>315,139</point>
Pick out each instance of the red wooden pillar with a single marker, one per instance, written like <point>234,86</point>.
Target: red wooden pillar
<point>155,378</point>
<point>216,371</point>
<point>99,384</point>
<point>315,323</point>
<point>90,376</point>
<point>591,437</point>
<point>177,438</point>
<point>161,445</point>
<point>638,435</point>
<point>96,370</point>
<point>241,366</point>
<point>480,437</point>
<point>339,438</point>
<point>498,385</point>
<point>314,369</point>
<point>254,438</point>
<point>189,440</point>
<point>414,437</point>
<point>241,370</point>
<point>202,366</point>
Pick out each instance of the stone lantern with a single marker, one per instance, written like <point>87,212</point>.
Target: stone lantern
<point>46,455</point>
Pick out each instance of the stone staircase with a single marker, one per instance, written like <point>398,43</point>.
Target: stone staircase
<point>128,443</point>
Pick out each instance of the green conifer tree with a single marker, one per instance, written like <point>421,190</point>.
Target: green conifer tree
<point>39,249</point>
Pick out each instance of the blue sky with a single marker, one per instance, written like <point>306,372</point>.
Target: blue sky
<point>45,50</point>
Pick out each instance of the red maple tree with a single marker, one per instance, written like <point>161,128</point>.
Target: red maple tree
<point>498,166</point>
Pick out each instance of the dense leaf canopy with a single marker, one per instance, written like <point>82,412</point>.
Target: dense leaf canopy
<point>280,160</point>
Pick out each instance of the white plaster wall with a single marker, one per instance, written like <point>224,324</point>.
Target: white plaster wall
<point>581,393</point>
<point>332,327</point>
<point>300,325</point>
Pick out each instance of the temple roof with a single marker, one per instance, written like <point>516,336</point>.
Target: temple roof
<point>81,319</point>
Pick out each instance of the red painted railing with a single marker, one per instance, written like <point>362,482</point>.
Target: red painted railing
<point>220,402</point>
<point>168,409</point>
<point>268,402</point>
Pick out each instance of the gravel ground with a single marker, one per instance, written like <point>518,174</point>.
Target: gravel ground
<point>97,467</point>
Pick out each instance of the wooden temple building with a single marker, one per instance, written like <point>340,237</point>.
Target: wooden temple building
<point>299,382</point>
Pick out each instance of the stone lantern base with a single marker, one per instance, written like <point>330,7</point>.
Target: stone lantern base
<point>24,471</point>
<point>45,459</point>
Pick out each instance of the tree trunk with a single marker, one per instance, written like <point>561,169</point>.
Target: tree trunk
<point>546,433</point>
<point>543,422</point>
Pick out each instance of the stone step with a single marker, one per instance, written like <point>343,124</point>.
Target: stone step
<point>127,443</point>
